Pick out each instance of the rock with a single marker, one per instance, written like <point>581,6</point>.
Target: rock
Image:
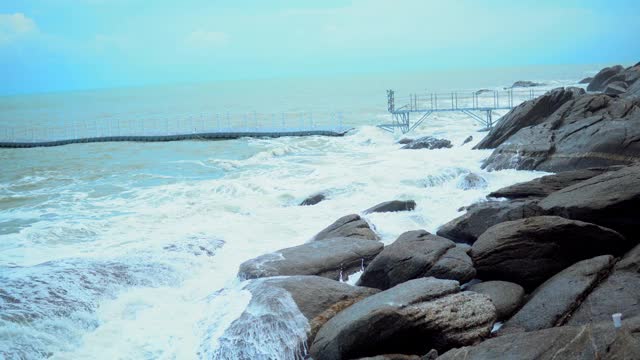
<point>428,142</point>
<point>297,306</point>
<point>594,341</point>
<point>328,258</point>
<point>313,199</point>
<point>611,199</point>
<point>507,297</point>
<point>529,251</point>
<point>601,79</point>
<point>481,216</point>
<point>553,302</point>
<point>620,292</point>
<point>528,113</point>
<point>592,130</point>
<point>417,254</point>
<point>392,357</point>
<point>410,318</point>
<point>471,181</point>
<point>405,141</point>
<point>467,140</point>
<point>392,206</point>
<point>524,83</point>
<point>543,186</point>
<point>352,226</point>
<point>616,88</point>
<point>586,80</point>
<point>634,90</point>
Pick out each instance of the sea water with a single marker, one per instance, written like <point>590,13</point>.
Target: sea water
<point>131,250</point>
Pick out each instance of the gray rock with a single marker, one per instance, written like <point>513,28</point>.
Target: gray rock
<point>525,83</point>
<point>328,258</point>
<point>481,216</point>
<point>467,140</point>
<point>352,226</point>
<point>507,297</point>
<point>586,80</point>
<point>428,142</point>
<point>471,181</point>
<point>601,79</point>
<point>611,199</point>
<point>553,302</point>
<point>590,342</point>
<point>392,206</point>
<point>411,318</point>
<point>313,199</point>
<point>405,141</point>
<point>528,113</point>
<point>417,254</point>
<point>392,357</point>
<point>616,88</point>
<point>529,251</point>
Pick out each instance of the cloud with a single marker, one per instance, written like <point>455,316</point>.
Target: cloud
<point>202,39</point>
<point>15,26</point>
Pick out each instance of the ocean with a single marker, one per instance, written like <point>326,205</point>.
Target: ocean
<point>131,250</point>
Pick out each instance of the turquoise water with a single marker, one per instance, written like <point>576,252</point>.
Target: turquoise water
<point>130,250</point>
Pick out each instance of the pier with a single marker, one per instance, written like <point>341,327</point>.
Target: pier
<point>479,105</point>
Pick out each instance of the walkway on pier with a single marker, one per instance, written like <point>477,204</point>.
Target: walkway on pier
<point>477,104</point>
<point>216,127</point>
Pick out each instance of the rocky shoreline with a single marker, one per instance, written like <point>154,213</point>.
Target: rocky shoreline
<point>534,272</point>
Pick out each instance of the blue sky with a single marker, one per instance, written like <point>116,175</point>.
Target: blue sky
<point>52,45</point>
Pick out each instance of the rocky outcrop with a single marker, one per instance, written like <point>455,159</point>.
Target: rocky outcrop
<point>428,142</point>
<point>611,199</point>
<point>525,83</point>
<point>528,113</point>
<point>313,199</point>
<point>471,181</point>
<point>351,226</point>
<point>529,251</point>
<point>616,88</point>
<point>411,318</point>
<point>594,341</point>
<point>507,297</point>
<point>328,258</point>
<point>481,216</point>
<point>417,254</point>
<point>603,77</point>
<point>586,80</point>
<point>553,302</point>
<point>392,206</point>
<point>591,130</point>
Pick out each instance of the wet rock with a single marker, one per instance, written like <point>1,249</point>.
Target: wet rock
<point>525,83</point>
<point>611,199</point>
<point>392,206</point>
<point>586,80</point>
<point>405,141</point>
<point>428,142</point>
<point>467,140</point>
<point>481,216</point>
<point>529,251</point>
<point>392,357</point>
<point>594,341</point>
<point>471,181</point>
<point>618,293</point>
<point>528,113</point>
<point>507,297</point>
<point>410,318</point>
<point>543,186</point>
<point>313,199</point>
<point>553,302</point>
<point>417,254</point>
<point>603,77</point>
<point>616,88</point>
<point>352,226</point>
<point>328,258</point>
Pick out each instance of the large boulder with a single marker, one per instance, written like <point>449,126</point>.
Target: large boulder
<point>481,216</point>
<point>392,206</point>
<point>428,142</point>
<point>618,293</point>
<point>601,79</point>
<point>553,302</point>
<point>528,113</point>
<point>589,342</point>
<point>616,88</point>
<point>611,199</point>
<point>589,131</point>
<point>507,297</point>
<point>331,258</point>
<point>297,306</point>
<point>313,199</point>
<point>411,318</point>
<point>352,226</point>
<point>471,181</point>
<point>529,251</point>
<point>417,254</point>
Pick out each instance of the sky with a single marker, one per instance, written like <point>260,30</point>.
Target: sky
<point>58,45</point>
